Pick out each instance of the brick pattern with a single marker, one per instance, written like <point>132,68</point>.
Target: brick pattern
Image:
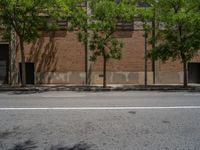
<point>170,66</point>
<point>132,54</point>
<point>60,54</point>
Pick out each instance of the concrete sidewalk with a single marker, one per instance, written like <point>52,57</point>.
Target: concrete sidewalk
<point>98,88</point>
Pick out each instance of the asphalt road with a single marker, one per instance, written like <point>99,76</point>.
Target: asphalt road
<point>100,121</point>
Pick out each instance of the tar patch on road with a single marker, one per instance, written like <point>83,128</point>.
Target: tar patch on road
<point>166,122</point>
<point>132,112</point>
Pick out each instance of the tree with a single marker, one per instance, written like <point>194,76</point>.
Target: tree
<point>153,16</point>
<point>79,22</point>
<point>179,38</point>
<point>145,14</point>
<point>25,17</point>
<point>102,26</point>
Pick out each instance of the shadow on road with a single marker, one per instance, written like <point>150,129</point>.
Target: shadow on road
<point>78,146</point>
<point>27,145</point>
<point>5,134</point>
<point>30,145</point>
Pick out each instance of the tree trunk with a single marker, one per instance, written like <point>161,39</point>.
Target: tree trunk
<point>23,67</point>
<point>86,64</point>
<point>185,76</point>
<point>145,59</point>
<point>104,71</point>
<point>154,44</point>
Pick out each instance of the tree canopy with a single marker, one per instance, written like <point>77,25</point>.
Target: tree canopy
<point>101,26</point>
<point>179,36</point>
<point>25,17</point>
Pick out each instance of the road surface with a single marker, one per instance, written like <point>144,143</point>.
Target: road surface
<point>100,121</point>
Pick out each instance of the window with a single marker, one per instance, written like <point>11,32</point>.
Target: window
<point>62,24</point>
<point>52,24</point>
<point>124,26</point>
<point>83,4</point>
<point>143,4</point>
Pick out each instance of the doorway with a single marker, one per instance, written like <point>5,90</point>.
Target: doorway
<point>30,73</point>
<point>4,57</point>
<point>194,72</point>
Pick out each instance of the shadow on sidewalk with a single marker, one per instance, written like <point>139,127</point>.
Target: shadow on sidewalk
<point>30,145</point>
<point>41,89</point>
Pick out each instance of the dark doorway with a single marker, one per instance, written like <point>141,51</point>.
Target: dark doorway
<point>4,57</point>
<point>30,73</point>
<point>194,72</point>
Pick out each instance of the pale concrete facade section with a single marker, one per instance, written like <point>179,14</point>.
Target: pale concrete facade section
<point>96,78</point>
<point>136,78</point>
<point>170,72</point>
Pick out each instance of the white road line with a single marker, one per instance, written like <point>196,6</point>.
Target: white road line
<point>104,108</point>
<point>192,94</point>
<point>63,96</point>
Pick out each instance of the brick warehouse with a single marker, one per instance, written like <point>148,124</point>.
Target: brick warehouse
<point>59,58</point>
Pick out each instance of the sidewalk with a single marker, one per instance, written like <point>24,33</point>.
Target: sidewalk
<point>98,88</point>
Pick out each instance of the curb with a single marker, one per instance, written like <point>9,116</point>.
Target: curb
<point>101,89</point>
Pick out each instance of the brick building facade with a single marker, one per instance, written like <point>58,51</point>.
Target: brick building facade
<point>59,58</point>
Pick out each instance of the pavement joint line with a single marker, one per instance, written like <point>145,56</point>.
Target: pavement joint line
<point>103,108</point>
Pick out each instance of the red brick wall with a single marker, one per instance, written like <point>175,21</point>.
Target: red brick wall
<point>170,66</point>
<point>62,52</point>
<point>132,54</point>
<point>176,66</point>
